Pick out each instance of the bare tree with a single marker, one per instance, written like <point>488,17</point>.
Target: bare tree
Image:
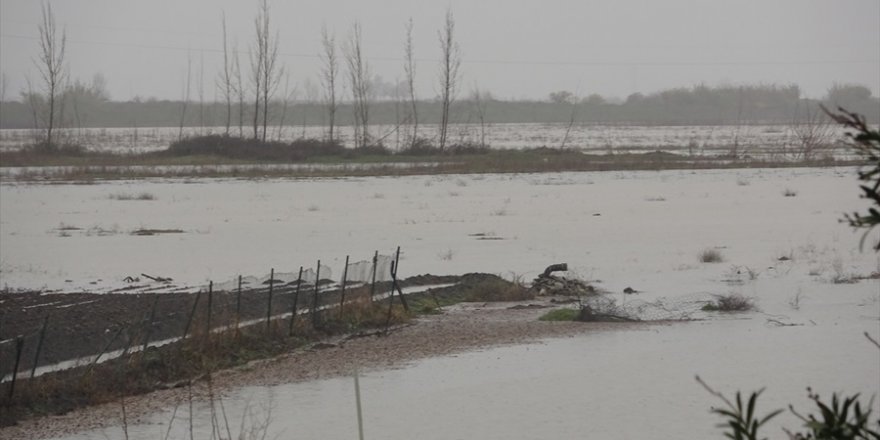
<point>4,84</point>
<point>479,103</point>
<point>185,91</point>
<point>359,75</point>
<point>288,95</point>
<point>812,131</point>
<point>409,67</point>
<point>226,77</point>
<point>311,95</point>
<point>266,73</point>
<point>450,62</point>
<point>34,101</point>
<point>329,73</point>
<point>239,90</point>
<point>201,93</point>
<point>51,65</point>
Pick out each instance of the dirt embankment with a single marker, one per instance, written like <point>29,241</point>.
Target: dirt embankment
<point>457,328</point>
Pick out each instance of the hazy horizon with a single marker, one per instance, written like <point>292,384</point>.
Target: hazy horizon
<point>515,50</point>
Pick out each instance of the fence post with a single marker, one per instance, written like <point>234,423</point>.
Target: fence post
<point>342,294</point>
<point>191,314</point>
<point>295,300</point>
<point>39,345</point>
<point>394,281</point>
<point>373,283</point>
<point>149,331</point>
<point>269,305</point>
<point>315,322</point>
<point>238,305</point>
<point>19,347</point>
<point>210,307</point>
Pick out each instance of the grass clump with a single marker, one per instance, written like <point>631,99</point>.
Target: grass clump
<point>253,149</point>
<point>711,255</point>
<point>144,196</point>
<point>561,315</point>
<point>732,302</point>
<point>494,289</point>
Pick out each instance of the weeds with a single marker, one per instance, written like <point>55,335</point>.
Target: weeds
<point>711,255</point>
<point>446,255</point>
<point>125,196</point>
<point>732,302</point>
<point>560,315</point>
<point>842,419</point>
<point>740,421</point>
<point>795,301</point>
<point>149,231</point>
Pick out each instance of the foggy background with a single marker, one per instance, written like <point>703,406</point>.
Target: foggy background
<point>512,49</point>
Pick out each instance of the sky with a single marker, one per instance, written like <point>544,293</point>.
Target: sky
<point>514,49</point>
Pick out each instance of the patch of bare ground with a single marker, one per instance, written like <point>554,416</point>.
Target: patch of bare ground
<point>459,328</point>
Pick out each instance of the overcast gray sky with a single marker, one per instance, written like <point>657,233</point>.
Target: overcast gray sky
<point>515,49</point>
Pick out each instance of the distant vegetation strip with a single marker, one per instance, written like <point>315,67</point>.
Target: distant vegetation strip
<point>222,156</point>
<point>698,105</point>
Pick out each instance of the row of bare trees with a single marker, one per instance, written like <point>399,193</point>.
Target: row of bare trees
<point>359,78</point>
<point>266,75</point>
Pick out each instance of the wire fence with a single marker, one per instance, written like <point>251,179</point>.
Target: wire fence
<point>44,333</point>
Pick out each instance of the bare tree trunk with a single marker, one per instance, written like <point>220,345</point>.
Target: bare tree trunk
<point>265,69</point>
<point>258,54</point>
<point>239,91</point>
<point>450,62</point>
<point>4,84</point>
<point>226,78</point>
<point>201,93</point>
<point>51,64</point>
<point>34,104</point>
<point>284,105</point>
<point>480,105</point>
<point>186,87</point>
<point>358,71</point>
<point>409,68</point>
<point>329,72</point>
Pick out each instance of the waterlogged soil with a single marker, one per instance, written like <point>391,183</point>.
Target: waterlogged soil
<point>455,329</point>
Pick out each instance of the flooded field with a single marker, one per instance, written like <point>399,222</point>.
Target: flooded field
<point>760,141</point>
<point>629,383</point>
<point>777,231</point>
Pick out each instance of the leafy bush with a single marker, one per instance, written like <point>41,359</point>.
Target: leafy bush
<point>844,419</point>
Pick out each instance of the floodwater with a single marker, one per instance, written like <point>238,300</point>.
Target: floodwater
<point>633,383</point>
<point>765,141</point>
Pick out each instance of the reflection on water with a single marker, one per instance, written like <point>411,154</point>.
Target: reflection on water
<point>632,383</point>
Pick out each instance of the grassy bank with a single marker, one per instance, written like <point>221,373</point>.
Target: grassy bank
<point>218,156</point>
<point>201,354</point>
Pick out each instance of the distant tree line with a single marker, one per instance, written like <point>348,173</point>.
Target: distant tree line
<point>256,94</point>
<point>88,105</point>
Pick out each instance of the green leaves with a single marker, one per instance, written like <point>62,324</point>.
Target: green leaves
<point>740,422</point>
<point>865,143</point>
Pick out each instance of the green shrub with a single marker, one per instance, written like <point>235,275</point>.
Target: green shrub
<point>561,315</point>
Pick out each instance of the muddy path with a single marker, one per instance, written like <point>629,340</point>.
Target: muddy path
<point>80,325</point>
